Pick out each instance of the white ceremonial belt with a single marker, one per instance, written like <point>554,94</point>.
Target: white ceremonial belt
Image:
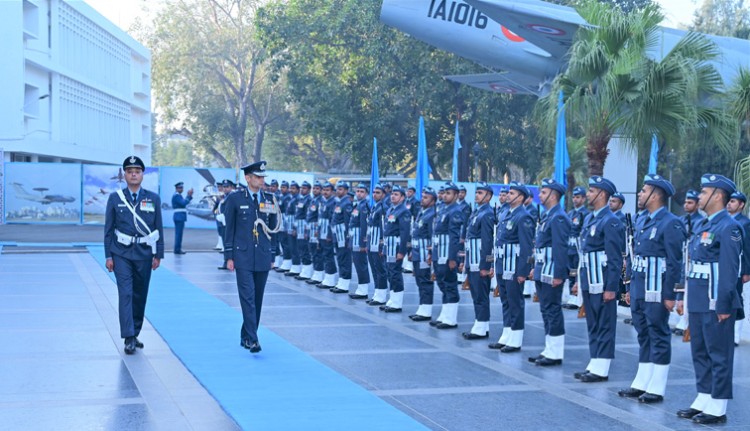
<point>128,239</point>
<point>180,210</point>
<point>700,268</point>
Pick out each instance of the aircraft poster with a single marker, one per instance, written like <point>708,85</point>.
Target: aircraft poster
<point>2,188</point>
<point>99,181</point>
<point>42,193</point>
<point>203,182</point>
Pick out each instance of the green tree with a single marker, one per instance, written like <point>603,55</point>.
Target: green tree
<point>723,18</point>
<point>212,79</point>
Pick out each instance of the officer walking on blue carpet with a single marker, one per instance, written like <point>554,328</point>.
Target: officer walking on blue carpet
<point>179,205</point>
<point>133,246</point>
<point>253,219</point>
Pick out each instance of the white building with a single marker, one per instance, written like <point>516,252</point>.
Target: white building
<point>73,86</point>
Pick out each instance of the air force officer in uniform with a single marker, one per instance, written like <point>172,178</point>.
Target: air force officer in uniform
<point>253,219</point>
<point>133,246</point>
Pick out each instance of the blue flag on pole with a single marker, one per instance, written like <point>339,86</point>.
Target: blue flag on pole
<point>374,171</point>
<point>456,147</point>
<point>562,159</point>
<point>423,164</point>
<point>654,157</point>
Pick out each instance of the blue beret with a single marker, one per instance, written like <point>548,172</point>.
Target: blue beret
<point>579,191</point>
<point>294,184</point>
<point>257,169</point>
<point>343,184</point>
<point>318,184</point>
<point>450,185</point>
<point>619,196</point>
<point>461,188</point>
<point>412,188</point>
<point>691,194</point>
<point>503,188</point>
<point>363,186</point>
<point>739,196</point>
<point>398,189</point>
<point>274,183</point>
<point>442,188</point>
<point>133,162</point>
<point>602,183</point>
<point>551,184</point>
<point>378,186</point>
<point>429,191</point>
<point>719,182</point>
<point>284,183</point>
<point>327,185</point>
<point>484,186</point>
<point>519,187</point>
<point>305,184</point>
<point>227,183</point>
<point>659,181</point>
<point>180,184</point>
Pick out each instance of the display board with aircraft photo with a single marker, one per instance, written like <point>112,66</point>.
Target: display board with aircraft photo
<point>42,193</point>
<point>203,181</point>
<point>99,181</point>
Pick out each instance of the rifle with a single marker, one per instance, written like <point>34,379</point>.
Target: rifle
<point>627,255</point>
<point>684,288</point>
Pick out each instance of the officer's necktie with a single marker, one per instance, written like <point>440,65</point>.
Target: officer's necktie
<point>255,199</point>
<point>135,196</point>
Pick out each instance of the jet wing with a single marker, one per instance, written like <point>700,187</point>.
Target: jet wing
<point>548,26</point>
<point>503,82</point>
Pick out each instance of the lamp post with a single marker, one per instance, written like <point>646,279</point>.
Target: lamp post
<point>671,162</point>
<point>477,151</point>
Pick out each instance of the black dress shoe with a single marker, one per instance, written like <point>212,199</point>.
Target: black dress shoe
<point>628,321</point>
<point>496,346</point>
<point>442,325</point>
<point>434,322</point>
<point>291,274</point>
<point>707,419</point>
<point>650,398</point>
<point>547,362</point>
<point>299,277</point>
<point>337,290</point>
<point>570,306</point>
<point>138,343</point>
<point>473,336</point>
<point>688,413</point>
<point>130,345</point>
<point>678,332</point>
<point>630,393</point>
<point>324,286</point>
<point>593,378</point>
<point>280,270</point>
<point>375,303</point>
<point>221,267</point>
<point>245,343</point>
<point>355,296</point>
<point>388,309</point>
<point>255,347</point>
<point>577,375</point>
<point>510,349</point>
<point>311,281</point>
<point>533,359</point>
<point>418,318</point>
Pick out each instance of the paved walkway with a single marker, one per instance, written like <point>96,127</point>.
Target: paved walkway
<point>63,366</point>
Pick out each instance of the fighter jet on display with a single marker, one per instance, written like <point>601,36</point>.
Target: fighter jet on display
<point>42,198</point>
<point>119,177</point>
<point>522,43</point>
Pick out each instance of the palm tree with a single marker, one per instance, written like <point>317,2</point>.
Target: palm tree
<point>612,86</point>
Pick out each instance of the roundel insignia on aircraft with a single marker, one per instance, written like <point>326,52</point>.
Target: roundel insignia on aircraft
<point>502,89</point>
<point>511,36</point>
<point>551,31</point>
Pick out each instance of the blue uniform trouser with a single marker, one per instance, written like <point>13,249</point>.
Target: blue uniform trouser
<point>286,243</point>
<point>601,320</point>
<point>712,345</point>
<point>395,271</point>
<point>294,246</point>
<point>550,304</point>
<point>222,228</point>
<point>377,265</point>
<point>329,262</point>
<point>651,322</point>
<point>250,285</point>
<point>344,260</point>
<point>133,277</point>
<point>304,251</point>
<point>480,294</point>
<point>741,310</point>
<point>447,281</point>
<point>425,285</point>
<point>511,296</point>
<point>316,253</point>
<point>179,226</point>
<point>573,258</point>
<point>360,264</point>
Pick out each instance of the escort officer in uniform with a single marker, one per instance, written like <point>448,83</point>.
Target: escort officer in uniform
<point>466,210</point>
<point>502,202</point>
<point>446,242</point>
<point>577,215</point>
<point>479,257</point>
<point>690,220</point>
<point>133,246</point>
<point>358,240</point>
<point>375,247</point>
<point>602,246</point>
<point>387,188</point>
<point>412,204</point>
<point>325,216</point>
<point>227,188</point>
<point>616,202</point>
<point>715,251</point>
<point>513,257</point>
<point>656,269</point>
<point>313,233</point>
<point>179,204</point>
<point>440,202</point>
<point>291,230</point>
<point>303,234</point>
<point>216,199</point>
<point>421,244</point>
<point>396,235</point>
<point>286,239</point>
<point>340,224</point>
<point>735,207</point>
<point>529,287</point>
<point>551,270</point>
<point>252,221</point>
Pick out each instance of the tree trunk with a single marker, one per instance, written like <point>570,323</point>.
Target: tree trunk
<point>258,146</point>
<point>597,151</point>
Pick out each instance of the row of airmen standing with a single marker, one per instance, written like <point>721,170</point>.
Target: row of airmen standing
<point>444,239</point>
